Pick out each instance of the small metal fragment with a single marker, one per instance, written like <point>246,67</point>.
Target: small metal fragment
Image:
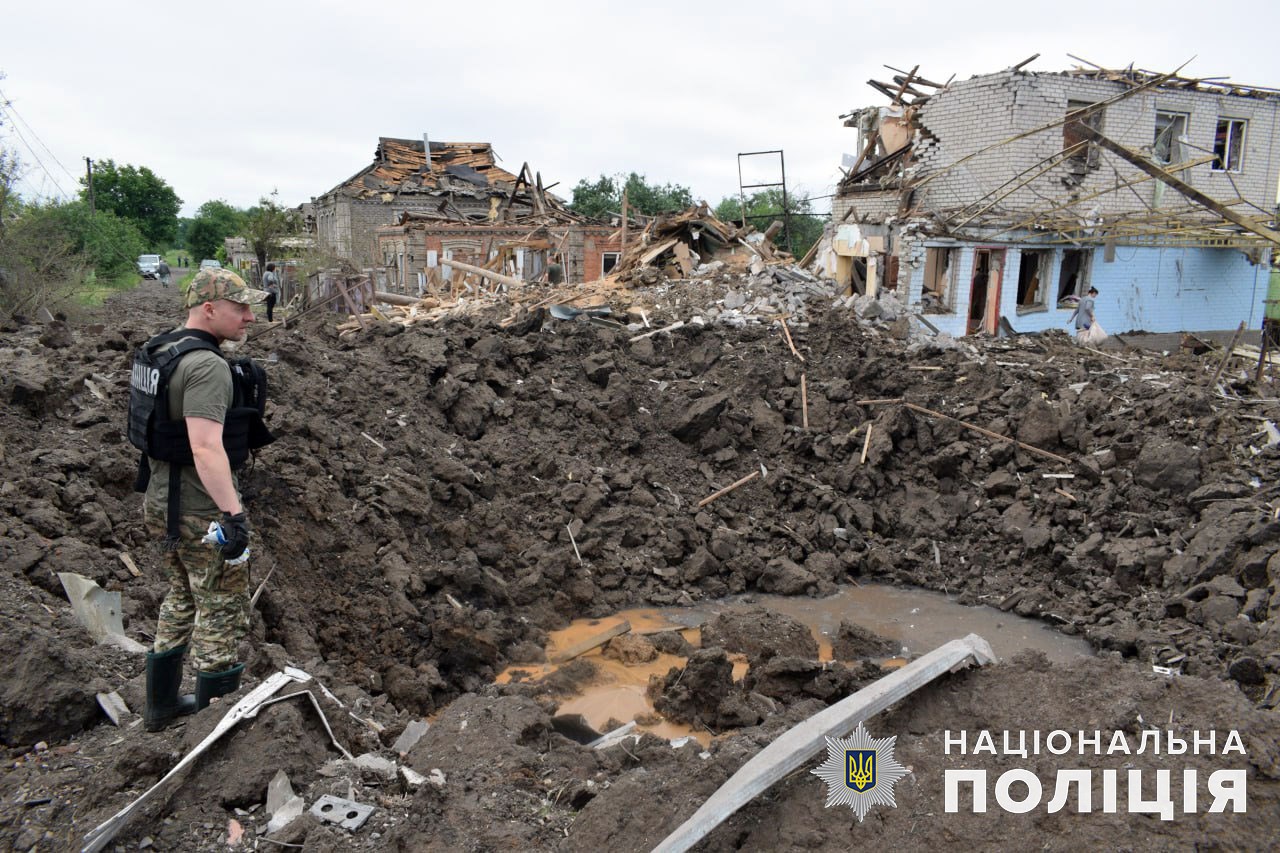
<point>347,814</point>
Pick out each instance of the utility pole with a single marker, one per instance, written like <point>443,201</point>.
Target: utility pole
<point>88,168</point>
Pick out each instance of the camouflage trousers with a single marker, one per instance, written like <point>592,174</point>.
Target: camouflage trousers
<point>207,605</point>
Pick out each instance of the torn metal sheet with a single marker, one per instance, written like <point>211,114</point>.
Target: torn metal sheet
<point>347,814</point>
<point>98,610</point>
<point>245,709</point>
<point>807,739</point>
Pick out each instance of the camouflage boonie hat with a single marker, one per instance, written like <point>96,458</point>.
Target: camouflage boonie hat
<point>212,284</point>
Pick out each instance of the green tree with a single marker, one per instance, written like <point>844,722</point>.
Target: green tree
<point>136,193</point>
<point>48,251</point>
<point>598,198</point>
<point>266,224</point>
<point>766,206</point>
<point>108,243</point>
<point>214,222</point>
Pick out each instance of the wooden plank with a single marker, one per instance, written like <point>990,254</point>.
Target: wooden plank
<point>130,564</point>
<point>729,488</point>
<point>346,297</point>
<point>802,742</point>
<point>649,256</point>
<point>1227,356</point>
<point>489,274</point>
<point>683,258</point>
<point>579,649</point>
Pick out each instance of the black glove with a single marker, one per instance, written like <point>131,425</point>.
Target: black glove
<point>235,529</point>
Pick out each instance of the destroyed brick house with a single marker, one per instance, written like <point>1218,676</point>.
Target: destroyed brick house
<point>999,200</point>
<point>412,213</point>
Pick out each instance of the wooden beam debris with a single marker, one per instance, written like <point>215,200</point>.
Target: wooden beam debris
<point>1021,444</point>
<point>786,333</point>
<point>581,648</point>
<point>727,489</point>
<point>1226,356</point>
<point>805,740</point>
<point>489,274</point>
<point>804,403</point>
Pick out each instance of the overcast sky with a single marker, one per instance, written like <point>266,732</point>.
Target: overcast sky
<point>233,100</point>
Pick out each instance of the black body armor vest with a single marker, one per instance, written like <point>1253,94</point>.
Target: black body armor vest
<point>158,436</point>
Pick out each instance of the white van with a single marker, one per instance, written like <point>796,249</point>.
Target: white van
<point>149,266</point>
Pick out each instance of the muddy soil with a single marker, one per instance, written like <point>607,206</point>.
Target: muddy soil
<point>441,497</point>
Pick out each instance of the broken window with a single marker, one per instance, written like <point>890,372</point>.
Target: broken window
<point>1033,280</point>
<point>1228,145</point>
<point>1171,128</point>
<point>1073,275</point>
<point>938,269</point>
<point>608,260</point>
<point>1087,153</point>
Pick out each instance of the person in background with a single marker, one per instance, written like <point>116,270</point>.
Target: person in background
<point>555,271</point>
<point>1083,314</point>
<point>164,272</point>
<point>271,284</point>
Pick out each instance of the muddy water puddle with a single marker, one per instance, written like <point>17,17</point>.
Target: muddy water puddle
<point>919,620</point>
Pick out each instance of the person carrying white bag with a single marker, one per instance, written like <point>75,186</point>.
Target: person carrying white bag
<point>1088,329</point>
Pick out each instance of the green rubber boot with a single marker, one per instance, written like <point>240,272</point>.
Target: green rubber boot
<point>213,684</point>
<point>164,679</point>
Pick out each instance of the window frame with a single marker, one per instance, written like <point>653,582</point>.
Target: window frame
<point>1175,141</point>
<point>1222,162</point>
<point>604,256</point>
<point>949,260</point>
<point>1084,274</point>
<point>1044,270</point>
<point>1088,155</point>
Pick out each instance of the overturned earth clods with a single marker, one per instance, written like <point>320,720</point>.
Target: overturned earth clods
<point>441,497</point>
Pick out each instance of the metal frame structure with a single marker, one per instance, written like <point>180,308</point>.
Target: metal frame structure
<point>786,210</point>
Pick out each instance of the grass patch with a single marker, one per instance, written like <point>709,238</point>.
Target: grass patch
<point>96,290</point>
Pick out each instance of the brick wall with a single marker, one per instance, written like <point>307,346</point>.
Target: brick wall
<point>583,249</point>
<point>975,113</point>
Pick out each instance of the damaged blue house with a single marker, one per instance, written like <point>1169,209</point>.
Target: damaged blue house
<point>999,200</point>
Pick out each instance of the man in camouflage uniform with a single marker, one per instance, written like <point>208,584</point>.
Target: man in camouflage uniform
<point>207,606</point>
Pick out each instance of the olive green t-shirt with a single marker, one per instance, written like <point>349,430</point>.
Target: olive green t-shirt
<point>200,387</point>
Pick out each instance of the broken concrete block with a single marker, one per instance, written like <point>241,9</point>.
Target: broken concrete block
<point>376,764</point>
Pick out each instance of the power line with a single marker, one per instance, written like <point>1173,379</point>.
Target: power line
<point>5,110</point>
<point>7,105</point>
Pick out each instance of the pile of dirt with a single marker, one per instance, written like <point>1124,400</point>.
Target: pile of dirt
<point>441,497</point>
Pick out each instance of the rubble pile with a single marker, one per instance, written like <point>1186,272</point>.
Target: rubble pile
<point>443,494</point>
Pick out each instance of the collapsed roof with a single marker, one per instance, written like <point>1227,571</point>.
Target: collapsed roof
<point>401,171</point>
